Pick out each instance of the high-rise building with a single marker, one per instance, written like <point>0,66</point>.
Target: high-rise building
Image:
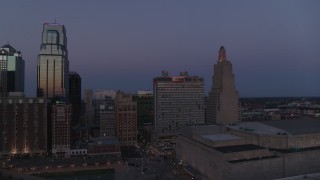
<point>53,63</point>
<point>11,71</point>
<point>23,125</point>
<point>178,102</point>
<point>61,129</point>
<point>89,109</point>
<point>75,96</point>
<point>106,114</point>
<point>126,119</point>
<point>223,102</point>
<point>145,108</point>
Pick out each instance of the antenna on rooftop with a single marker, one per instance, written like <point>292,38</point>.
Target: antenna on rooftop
<point>55,20</point>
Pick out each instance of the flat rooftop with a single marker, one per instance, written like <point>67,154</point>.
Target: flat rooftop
<point>221,137</point>
<point>297,126</point>
<point>257,128</point>
<point>274,127</point>
<point>238,148</point>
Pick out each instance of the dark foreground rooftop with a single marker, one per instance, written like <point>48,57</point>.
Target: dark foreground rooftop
<point>297,126</point>
<point>238,148</point>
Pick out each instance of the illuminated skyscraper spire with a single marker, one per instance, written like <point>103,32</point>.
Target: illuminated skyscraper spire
<point>222,54</point>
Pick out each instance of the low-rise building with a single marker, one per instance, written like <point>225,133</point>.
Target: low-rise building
<point>103,146</point>
<point>252,150</point>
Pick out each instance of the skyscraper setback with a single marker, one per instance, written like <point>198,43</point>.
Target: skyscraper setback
<point>53,63</point>
<point>223,103</point>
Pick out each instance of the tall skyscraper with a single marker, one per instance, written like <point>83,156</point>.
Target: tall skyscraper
<point>75,96</point>
<point>53,63</point>
<point>178,102</point>
<point>223,102</point>
<point>11,71</point>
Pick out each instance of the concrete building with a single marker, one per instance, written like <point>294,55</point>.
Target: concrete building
<point>75,96</point>
<point>53,63</point>
<point>23,125</point>
<point>61,128</point>
<point>106,114</point>
<point>223,102</point>
<point>252,150</point>
<point>126,119</point>
<point>11,70</point>
<point>178,102</point>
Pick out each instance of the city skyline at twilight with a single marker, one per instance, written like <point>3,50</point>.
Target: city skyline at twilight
<point>273,46</point>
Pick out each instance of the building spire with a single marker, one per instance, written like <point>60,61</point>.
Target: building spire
<point>222,54</point>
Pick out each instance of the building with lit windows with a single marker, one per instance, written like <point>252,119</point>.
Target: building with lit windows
<point>23,125</point>
<point>178,102</point>
<point>61,128</point>
<point>106,115</point>
<point>11,70</point>
<point>126,119</point>
<point>53,63</point>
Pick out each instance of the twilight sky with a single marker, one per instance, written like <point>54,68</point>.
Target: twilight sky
<point>274,46</point>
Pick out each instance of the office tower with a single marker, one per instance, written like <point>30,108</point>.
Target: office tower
<point>75,96</point>
<point>11,71</point>
<point>126,119</point>
<point>106,115</point>
<point>105,111</point>
<point>61,129</point>
<point>145,108</point>
<point>223,101</point>
<point>53,63</point>
<point>23,125</point>
<point>178,102</point>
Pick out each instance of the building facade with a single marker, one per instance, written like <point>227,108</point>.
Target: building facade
<point>145,108</point>
<point>11,70</point>
<point>106,114</point>
<point>126,119</point>
<point>53,63</point>
<point>178,102</point>
<point>23,125</point>
<point>252,150</point>
<point>75,96</point>
<point>88,115</point>
<point>61,129</point>
<point>223,102</point>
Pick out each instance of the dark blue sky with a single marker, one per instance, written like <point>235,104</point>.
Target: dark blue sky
<point>274,46</point>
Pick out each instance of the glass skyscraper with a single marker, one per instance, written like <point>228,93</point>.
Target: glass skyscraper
<point>53,63</point>
<point>11,70</point>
